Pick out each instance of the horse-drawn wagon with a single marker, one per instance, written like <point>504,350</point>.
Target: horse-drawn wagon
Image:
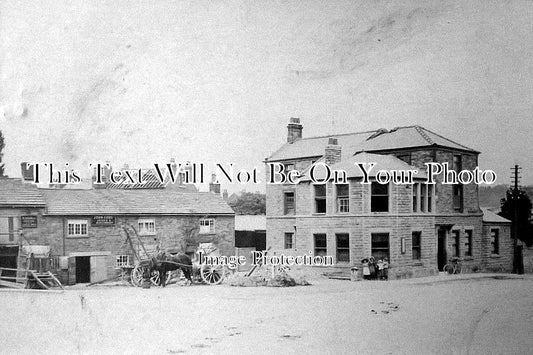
<point>169,265</point>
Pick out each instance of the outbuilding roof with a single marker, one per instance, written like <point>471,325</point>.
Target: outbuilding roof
<point>491,217</point>
<point>132,202</point>
<point>14,193</point>
<point>369,141</point>
<point>250,222</point>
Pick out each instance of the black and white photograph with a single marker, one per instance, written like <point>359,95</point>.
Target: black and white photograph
<point>266,176</point>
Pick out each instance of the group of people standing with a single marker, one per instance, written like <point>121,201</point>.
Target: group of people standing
<point>375,270</point>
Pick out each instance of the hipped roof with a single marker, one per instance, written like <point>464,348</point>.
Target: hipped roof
<point>369,141</point>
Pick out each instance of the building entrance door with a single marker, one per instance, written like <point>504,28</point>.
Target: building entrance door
<point>98,268</point>
<point>441,248</point>
<point>83,269</point>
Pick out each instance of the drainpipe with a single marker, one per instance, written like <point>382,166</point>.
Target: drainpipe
<point>64,242</point>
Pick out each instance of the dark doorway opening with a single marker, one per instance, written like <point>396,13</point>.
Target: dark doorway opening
<point>441,248</point>
<point>8,259</point>
<point>83,269</point>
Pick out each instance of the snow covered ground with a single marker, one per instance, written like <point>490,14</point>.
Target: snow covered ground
<point>459,314</point>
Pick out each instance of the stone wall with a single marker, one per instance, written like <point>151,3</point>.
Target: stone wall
<point>503,261</point>
<point>360,229</point>
<point>110,241</point>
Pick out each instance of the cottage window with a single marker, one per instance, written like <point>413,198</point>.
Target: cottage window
<point>343,198</point>
<point>495,241</point>
<point>77,227</point>
<point>146,226</point>
<point>289,167</point>
<point>288,240</point>
<point>455,243</point>
<point>207,226</point>
<point>343,247</point>
<point>289,203</point>
<point>468,242</point>
<point>321,246</point>
<point>122,261</point>
<point>415,245</point>
<point>380,245</point>
<point>380,197</point>
<point>320,198</point>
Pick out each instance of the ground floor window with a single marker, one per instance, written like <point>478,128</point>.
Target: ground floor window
<point>343,247</point>
<point>122,261</point>
<point>495,241</point>
<point>468,242</point>
<point>321,247</point>
<point>77,227</point>
<point>455,243</point>
<point>415,245</point>
<point>380,245</point>
<point>288,240</point>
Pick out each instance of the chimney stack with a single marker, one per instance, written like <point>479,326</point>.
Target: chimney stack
<point>294,130</point>
<point>333,151</point>
<point>27,172</point>
<point>214,187</point>
<point>106,172</point>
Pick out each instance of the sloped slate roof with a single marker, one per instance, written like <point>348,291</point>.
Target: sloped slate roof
<point>383,162</point>
<point>132,202</point>
<point>314,146</point>
<point>370,141</point>
<point>150,182</point>
<point>408,137</point>
<point>13,192</point>
<point>491,217</point>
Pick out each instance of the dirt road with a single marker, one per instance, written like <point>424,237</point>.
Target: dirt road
<point>433,315</point>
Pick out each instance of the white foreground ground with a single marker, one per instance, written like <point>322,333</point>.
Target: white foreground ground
<point>462,314</point>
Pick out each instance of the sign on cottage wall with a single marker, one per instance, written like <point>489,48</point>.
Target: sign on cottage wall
<point>28,221</point>
<point>103,220</point>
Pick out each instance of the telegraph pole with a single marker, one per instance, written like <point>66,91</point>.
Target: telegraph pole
<point>515,178</point>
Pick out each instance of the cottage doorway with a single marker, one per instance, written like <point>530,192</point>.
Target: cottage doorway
<point>441,248</point>
<point>83,269</point>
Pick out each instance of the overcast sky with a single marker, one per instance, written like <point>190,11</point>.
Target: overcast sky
<point>216,81</point>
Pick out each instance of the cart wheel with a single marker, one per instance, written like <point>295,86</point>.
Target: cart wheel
<point>212,274</point>
<point>154,277</point>
<point>137,275</point>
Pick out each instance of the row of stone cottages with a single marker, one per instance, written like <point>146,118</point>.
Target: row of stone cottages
<point>85,231</point>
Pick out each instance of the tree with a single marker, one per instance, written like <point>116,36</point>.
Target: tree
<point>2,146</point>
<point>522,225</point>
<point>249,203</point>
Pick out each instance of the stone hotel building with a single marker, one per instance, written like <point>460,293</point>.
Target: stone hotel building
<point>418,226</point>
